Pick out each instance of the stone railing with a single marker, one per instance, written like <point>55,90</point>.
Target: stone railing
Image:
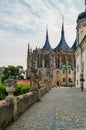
<point>12,106</point>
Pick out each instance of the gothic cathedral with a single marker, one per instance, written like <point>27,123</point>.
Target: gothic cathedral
<point>57,65</point>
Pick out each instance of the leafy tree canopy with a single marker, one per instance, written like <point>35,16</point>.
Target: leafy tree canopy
<point>17,72</point>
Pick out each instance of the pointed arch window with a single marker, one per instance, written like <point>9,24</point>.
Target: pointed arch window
<point>57,63</point>
<point>40,60</point>
<point>63,79</point>
<point>70,80</point>
<point>63,60</point>
<point>57,72</point>
<point>46,61</point>
<point>69,60</point>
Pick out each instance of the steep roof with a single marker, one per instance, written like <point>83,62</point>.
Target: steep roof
<point>47,44</point>
<point>62,44</point>
<point>81,16</point>
<point>74,46</point>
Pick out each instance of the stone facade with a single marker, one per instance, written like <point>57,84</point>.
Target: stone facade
<point>81,48</point>
<point>81,62</point>
<point>57,65</point>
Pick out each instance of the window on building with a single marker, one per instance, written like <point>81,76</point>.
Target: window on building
<point>39,63</point>
<point>69,60</point>
<point>46,61</point>
<point>63,79</point>
<point>70,80</point>
<point>63,60</point>
<point>63,71</point>
<point>57,72</point>
<point>57,63</point>
<point>69,72</point>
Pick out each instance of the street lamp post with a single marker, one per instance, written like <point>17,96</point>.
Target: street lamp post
<point>66,76</point>
<point>82,80</point>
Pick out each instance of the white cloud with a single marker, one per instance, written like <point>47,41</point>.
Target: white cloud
<point>23,21</point>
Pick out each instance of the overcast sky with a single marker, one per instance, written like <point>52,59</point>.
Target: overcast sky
<point>24,21</point>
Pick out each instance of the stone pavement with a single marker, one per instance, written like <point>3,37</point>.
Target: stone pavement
<point>59,109</point>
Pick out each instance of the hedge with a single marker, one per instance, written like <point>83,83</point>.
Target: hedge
<point>20,89</point>
<point>3,92</point>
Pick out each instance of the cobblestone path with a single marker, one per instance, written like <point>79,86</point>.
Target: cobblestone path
<point>59,109</point>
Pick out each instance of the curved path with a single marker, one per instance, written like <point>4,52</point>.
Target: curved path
<point>59,109</point>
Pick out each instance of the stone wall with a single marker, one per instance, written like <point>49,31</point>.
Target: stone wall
<point>11,108</point>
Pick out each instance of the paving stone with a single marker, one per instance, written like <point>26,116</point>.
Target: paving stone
<point>59,109</point>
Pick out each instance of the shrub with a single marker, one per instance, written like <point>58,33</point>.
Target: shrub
<point>21,89</point>
<point>3,92</point>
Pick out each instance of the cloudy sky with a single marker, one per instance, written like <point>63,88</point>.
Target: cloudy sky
<point>24,21</point>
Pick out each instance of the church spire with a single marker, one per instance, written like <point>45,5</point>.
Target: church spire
<point>47,44</point>
<point>46,32</point>
<point>62,44</point>
<point>62,32</point>
<point>28,51</point>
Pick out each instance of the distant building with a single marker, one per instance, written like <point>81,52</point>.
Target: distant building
<point>81,48</point>
<point>57,64</point>
<point>23,81</point>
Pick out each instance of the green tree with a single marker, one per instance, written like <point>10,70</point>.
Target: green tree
<point>3,92</point>
<point>17,72</point>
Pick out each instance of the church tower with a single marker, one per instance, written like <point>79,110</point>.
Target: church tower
<point>62,44</point>
<point>56,65</point>
<point>47,44</point>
